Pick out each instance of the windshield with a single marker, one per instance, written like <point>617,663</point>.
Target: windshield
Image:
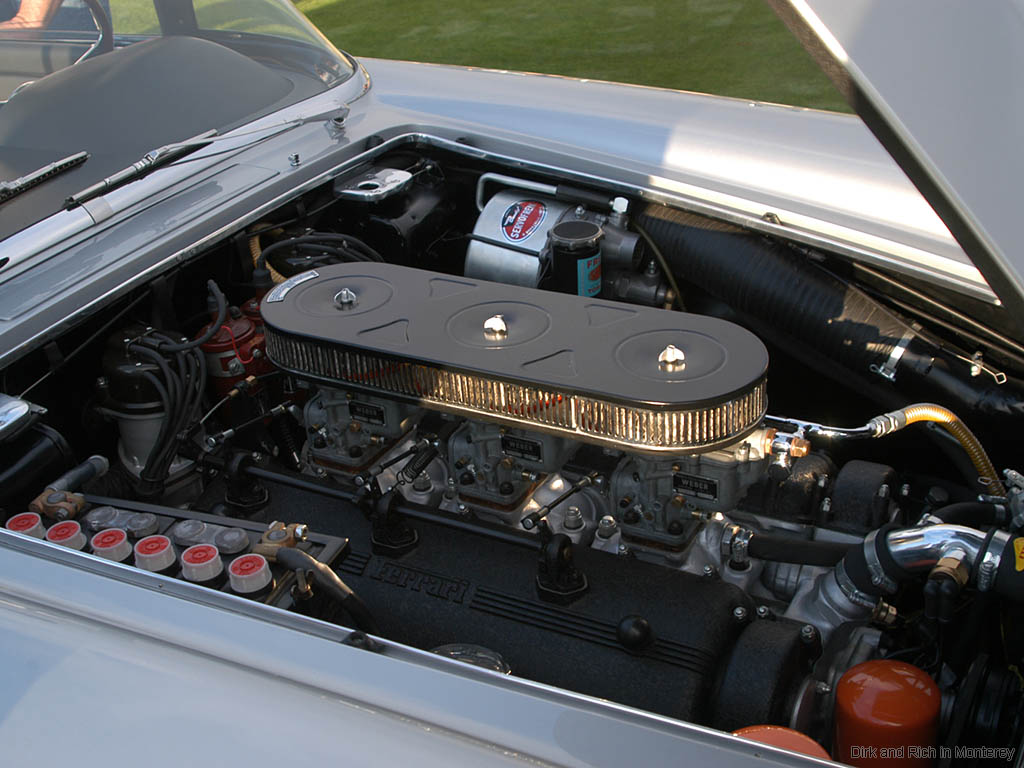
<point>81,100</point>
<point>270,31</point>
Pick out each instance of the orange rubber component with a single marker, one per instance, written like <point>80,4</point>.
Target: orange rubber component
<point>786,738</point>
<point>887,713</point>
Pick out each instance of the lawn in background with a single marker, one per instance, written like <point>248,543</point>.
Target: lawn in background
<point>728,47</point>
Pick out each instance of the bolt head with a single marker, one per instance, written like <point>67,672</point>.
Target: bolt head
<point>606,526</point>
<point>672,358</point>
<point>763,612</point>
<point>739,613</point>
<point>708,571</point>
<point>346,298</point>
<point>495,328</point>
<point>623,549</point>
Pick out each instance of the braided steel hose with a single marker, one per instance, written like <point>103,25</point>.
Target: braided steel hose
<point>930,412</point>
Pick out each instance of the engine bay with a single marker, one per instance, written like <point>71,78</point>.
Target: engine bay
<point>567,435</point>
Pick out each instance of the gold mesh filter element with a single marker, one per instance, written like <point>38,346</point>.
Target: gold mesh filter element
<point>656,429</point>
<point>620,375</point>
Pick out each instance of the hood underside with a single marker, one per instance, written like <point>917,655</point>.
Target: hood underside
<point>939,86</point>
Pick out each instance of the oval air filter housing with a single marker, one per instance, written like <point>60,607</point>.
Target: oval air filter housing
<point>635,378</point>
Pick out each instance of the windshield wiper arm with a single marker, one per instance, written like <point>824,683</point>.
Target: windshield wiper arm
<point>9,189</point>
<point>150,161</point>
<point>169,153</point>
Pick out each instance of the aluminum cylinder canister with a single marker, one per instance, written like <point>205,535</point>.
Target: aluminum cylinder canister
<point>887,713</point>
<point>510,235</point>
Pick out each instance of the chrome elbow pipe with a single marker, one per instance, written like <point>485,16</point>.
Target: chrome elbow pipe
<point>919,549</point>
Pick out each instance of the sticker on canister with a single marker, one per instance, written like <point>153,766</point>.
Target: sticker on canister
<point>588,275</point>
<point>521,219</point>
<point>1018,553</point>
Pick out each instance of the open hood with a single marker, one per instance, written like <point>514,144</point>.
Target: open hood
<point>939,85</point>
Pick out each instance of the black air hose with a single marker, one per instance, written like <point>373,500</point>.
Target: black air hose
<point>222,313</point>
<point>775,285</point>
<point>973,513</point>
<point>786,549</point>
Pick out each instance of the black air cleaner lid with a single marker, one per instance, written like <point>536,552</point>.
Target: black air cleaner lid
<point>602,349</point>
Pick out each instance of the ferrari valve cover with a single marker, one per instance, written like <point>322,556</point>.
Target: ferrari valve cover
<point>636,378</point>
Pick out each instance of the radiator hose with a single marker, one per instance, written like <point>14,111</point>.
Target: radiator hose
<point>771,283</point>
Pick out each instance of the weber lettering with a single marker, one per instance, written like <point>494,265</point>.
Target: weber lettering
<point>521,448</point>
<point>369,414</point>
<point>696,486</point>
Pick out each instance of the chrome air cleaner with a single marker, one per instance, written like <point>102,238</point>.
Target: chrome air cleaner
<point>635,378</point>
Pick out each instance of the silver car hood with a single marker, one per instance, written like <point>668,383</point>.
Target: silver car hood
<point>939,85</point>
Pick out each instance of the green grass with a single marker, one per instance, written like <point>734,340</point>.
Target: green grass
<point>728,47</point>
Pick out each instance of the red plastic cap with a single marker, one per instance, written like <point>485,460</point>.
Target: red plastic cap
<point>199,554</point>
<point>28,523</point>
<point>249,573</point>
<point>67,534</point>
<point>887,713</point>
<point>201,562</point>
<point>111,544</point>
<point>154,553</point>
<point>785,738</point>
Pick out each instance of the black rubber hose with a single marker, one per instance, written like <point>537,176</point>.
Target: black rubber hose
<point>45,447</point>
<point>153,460</point>
<point>331,584</point>
<point>784,549</point>
<point>333,251</point>
<point>222,312</point>
<point>355,244</point>
<point>76,477</point>
<point>774,285</point>
<point>1010,576</point>
<point>976,514</point>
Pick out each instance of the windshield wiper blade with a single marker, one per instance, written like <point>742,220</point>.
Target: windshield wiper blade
<point>169,153</point>
<point>9,189</point>
<point>150,161</point>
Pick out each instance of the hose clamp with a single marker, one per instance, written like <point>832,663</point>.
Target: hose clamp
<point>729,534</point>
<point>850,590</point>
<point>879,577</point>
<point>888,369</point>
<point>991,559</point>
<point>740,559</point>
